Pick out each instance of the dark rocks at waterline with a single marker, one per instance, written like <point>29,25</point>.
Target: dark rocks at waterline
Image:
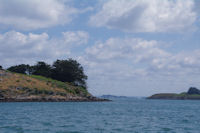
<point>50,99</point>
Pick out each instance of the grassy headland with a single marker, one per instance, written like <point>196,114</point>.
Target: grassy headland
<point>21,87</point>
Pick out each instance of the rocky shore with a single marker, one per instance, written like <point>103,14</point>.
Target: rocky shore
<point>80,99</point>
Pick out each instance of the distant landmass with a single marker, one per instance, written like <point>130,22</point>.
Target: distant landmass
<point>112,96</point>
<point>15,87</point>
<point>192,94</point>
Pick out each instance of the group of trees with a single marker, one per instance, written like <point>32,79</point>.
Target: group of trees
<point>63,70</point>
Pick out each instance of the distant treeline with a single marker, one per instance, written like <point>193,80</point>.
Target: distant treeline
<point>63,70</point>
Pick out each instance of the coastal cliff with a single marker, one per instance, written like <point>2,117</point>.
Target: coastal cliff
<point>16,87</point>
<point>192,94</point>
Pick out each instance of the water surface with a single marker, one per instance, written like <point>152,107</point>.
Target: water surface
<point>127,115</point>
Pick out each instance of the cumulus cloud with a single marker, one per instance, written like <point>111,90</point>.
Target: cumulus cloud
<point>16,47</point>
<point>79,37</point>
<point>35,14</point>
<point>134,49</point>
<point>133,63</point>
<point>146,15</point>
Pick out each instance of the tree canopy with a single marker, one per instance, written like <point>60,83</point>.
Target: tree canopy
<point>19,68</point>
<point>69,71</point>
<point>193,90</point>
<point>63,70</point>
<point>41,68</point>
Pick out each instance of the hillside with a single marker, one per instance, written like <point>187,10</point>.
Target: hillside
<point>191,94</point>
<point>16,87</point>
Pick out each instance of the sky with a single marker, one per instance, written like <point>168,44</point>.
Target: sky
<point>127,47</point>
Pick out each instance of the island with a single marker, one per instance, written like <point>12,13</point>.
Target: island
<point>192,94</point>
<point>112,96</point>
<point>16,87</point>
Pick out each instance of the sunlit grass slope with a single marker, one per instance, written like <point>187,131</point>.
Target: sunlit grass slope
<point>14,85</point>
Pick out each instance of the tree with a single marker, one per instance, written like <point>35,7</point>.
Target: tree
<point>63,70</point>
<point>41,68</point>
<point>1,67</point>
<point>69,71</point>
<point>193,90</point>
<point>24,69</point>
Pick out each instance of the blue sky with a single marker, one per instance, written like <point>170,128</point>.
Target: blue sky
<point>127,47</point>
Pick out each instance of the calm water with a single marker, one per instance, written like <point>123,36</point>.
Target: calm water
<point>119,116</point>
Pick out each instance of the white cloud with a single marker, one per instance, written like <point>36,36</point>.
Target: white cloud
<point>79,37</point>
<point>146,15</point>
<point>16,47</point>
<point>121,66</point>
<point>34,14</point>
<point>132,48</point>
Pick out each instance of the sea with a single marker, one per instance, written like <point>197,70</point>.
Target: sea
<point>122,115</point>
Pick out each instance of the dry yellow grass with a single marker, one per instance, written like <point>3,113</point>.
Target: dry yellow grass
<point>22,81</point>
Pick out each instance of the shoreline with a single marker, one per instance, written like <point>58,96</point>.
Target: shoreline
<point>54,100</point>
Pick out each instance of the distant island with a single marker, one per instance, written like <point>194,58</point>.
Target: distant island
<point>64,80</point>
<point>112,96</point>
<point>192,94</point>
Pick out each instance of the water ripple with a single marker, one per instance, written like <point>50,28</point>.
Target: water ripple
<point>120,116</point>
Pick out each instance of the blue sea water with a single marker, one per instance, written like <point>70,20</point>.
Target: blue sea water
<point>125,115</point>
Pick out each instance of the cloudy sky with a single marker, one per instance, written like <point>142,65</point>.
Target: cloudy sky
<point>127,47</point>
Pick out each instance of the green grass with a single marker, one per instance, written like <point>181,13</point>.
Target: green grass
<point>54,83</point>
<point>67,86</point>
